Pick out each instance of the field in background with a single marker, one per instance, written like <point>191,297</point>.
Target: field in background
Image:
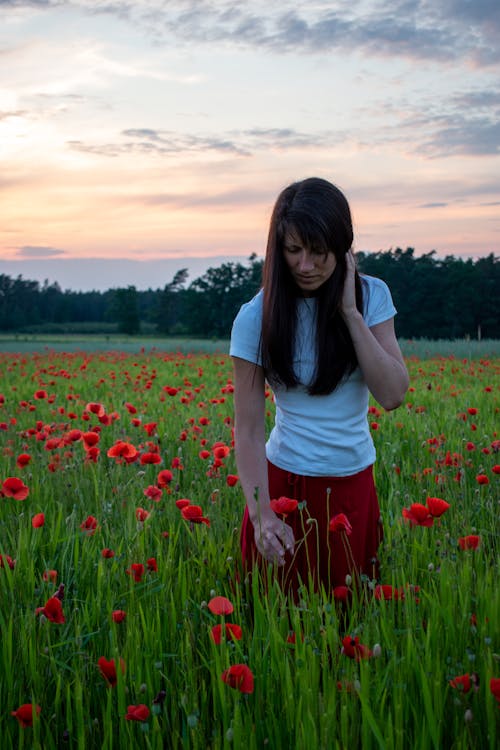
<point>109,445</point>
<point>421,348</point>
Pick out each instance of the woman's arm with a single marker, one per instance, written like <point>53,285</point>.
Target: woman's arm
<point>377,349</point>
<point>273,537</point>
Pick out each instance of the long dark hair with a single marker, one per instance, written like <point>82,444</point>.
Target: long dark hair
<point>318,213</point>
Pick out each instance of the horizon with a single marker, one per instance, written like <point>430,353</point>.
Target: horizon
<point>147,133</point>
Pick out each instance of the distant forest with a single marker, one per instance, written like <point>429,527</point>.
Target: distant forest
<point>436,298</point>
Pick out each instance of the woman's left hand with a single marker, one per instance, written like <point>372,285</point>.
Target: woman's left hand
<point>348,306</point>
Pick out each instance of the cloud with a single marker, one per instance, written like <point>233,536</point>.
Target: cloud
<point>38,251</point>
<point>413,29</point>
<point>434,205</point>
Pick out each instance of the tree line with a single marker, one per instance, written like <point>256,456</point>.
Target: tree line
<point>435,297</point>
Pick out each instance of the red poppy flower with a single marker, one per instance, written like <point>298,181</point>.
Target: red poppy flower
<point>26,713</point>
<point>121,449</point>
<point>107,667</point>
<point>341,593</point>
<point>177,463</point>
<point>89,526</point>
<point>153,492</point>
<point>462,683</point>
<point>164,478</point>
<point>352,648</point>
<point>221,451</point>
<point>231,480</point>
<point>437,506</point>
<point>38,520</point>
<point>496,469</point>
<point>107,553</point>
<point>183,502</point>
<point>141,514</point>
<point>482,479</point>
<point>15,487</point>
<point>339,523</point>
<point>495,688</point>
<point>118,615</point>
<point>418,514</point>
<point>232,631</point>
<point>137,713</point>
<point>53,610</point>
<point>23,460</point>
<point>130,408</point>
<point>150,458</point>
<point>6,561</point>
<point>204,454</point>
<point>283,505</point>
<point>95,408</point>
<point>49,575</point>
<point>152,565</point>
<point>90,439</point>
<point>136,570</point>
<point>40,395</point>
<point>239,677</point>
<point>220,605</point>
<point>472,541</point>
<point>194,514</point>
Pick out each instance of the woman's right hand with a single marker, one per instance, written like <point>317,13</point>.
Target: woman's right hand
<point>273,537</point>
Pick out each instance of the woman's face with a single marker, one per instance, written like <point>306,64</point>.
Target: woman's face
<point>309,268</point>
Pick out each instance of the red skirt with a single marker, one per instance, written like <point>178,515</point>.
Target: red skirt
<point>323,558</point>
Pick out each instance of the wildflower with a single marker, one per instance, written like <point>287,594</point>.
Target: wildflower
<point>463,683</point>
<point>339,523</point>
<point>153,492</point>
<point>122,449</point>
<point>342,593</point>
<point>107,553</point>
<point>495,688</point>
<point>89,526</point>
<point>14,487</point>
<point>231,480</point>
<point>183,502</point>
<point>239,677</point>
<point>437,506</point>
<point>152,565</point>
<point>137,571</point>
<point>95,408</point>
<point>6,561</point>
<point>194,514</point>
<point>40,395</point>
<point>25,714</point>
<point>118,615</point>
<point>164,478</point>
<point>137,713</point>
<point>482,479</point>
<point>52,610</point>
<point>220,605</point>
<point>90,439</point>
<point>283,505</point>
<point>418,514</point>
<point>232,631</point>
<point>141,514</point>
<point>472,541</point>
<point>38,520</point>
<point>352,648</point>
<point>23,460</point>
<point>49,575</point>
<point>150,458</point>
<point>107,667</point>
<point>387,592</point>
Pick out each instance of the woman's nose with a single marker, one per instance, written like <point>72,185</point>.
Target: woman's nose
<point>306,262</point>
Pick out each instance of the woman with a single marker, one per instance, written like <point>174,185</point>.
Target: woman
<point>323,338</point>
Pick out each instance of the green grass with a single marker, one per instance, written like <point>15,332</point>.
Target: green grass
<point>306,695</point>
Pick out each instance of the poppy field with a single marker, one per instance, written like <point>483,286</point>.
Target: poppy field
<point>125,617</point>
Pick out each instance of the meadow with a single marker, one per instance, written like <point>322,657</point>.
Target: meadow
<point>127,622</point>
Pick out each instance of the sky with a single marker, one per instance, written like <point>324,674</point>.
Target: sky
<point>140,137</point>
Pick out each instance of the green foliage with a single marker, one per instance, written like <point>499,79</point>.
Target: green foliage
<point>308,694</point>
<point>436,298</point>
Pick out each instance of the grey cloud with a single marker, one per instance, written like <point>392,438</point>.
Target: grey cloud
<point>434,205</point>
<point>417,29</point>
<point>459,135</point>
<point>236,143</point>
<point>38,251</point>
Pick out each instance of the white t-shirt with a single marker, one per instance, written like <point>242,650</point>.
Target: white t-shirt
<point>316,435</point>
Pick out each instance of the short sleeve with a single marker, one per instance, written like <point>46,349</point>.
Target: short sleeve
<point>377,301</point>
<point>246,331</point>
